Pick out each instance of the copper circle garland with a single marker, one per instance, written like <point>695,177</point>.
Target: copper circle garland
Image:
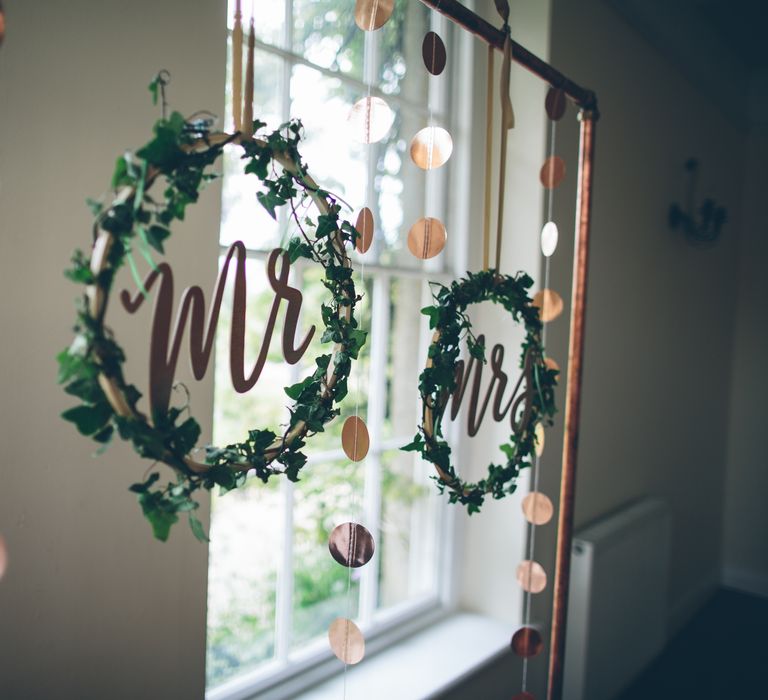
<point>434,54</point>
<point>555,103</point>
<point>527,642</point>
<point>181,153</point>
<point>355,440</point>
<point>552,172</point>
<point>426,238</point>
<point>365,229</point>
<point>351,545</point>
<point>437,382</point>
<point>346,641</point>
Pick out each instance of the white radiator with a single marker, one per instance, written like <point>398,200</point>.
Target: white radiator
<point>617,607</point>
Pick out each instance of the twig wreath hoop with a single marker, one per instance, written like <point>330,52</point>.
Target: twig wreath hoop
<point>182,153</point>
<point>438,382</point>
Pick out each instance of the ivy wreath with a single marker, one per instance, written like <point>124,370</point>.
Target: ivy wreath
<point>438,381</point>
<point>182,153</point>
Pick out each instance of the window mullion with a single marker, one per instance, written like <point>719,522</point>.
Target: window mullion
<point>377,387</point>
<point>284,612</point>
<point>285,107</point>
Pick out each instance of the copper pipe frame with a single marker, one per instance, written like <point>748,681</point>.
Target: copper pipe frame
<point>586,100</point>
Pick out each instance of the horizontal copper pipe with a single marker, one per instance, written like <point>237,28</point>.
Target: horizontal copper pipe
<point>473,23</point>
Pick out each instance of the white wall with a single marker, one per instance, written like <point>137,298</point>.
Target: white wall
<point>91,606</point>
<point>495,539</point>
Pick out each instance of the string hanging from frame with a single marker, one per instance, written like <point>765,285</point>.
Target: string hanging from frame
<point>430,148</point>
<point>351,544</point>
<point>537,507</point>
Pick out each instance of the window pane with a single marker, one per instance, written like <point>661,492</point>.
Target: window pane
<point>263,407</point>
<point>265,538</point>
<point>404,358</point>
<point>324,35</point>
<point>399,188</point>
<point>269,19</point>
<point>407,543</point>
<point>323,499</point>
<point>243,218</point>
<point>242,579</point>
<point>333,159</point>
<point>401,71</point>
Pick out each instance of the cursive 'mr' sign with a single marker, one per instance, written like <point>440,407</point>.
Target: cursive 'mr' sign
<point>166,338</point>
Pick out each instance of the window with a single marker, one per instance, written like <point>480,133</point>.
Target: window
<point>273,587</point>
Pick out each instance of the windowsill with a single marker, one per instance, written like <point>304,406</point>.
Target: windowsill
<point>423,665</point>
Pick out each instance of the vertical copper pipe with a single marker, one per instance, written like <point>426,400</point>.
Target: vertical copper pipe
<point>572,405</point>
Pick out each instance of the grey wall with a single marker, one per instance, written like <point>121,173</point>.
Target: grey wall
<point>655,410</point>
<point>660,312</point>
<point>91,606</point>
<point>745,547</point>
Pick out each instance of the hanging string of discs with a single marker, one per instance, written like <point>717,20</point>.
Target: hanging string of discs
<point>351,544</point>
<point>537,507</point>
<point>430,149</point>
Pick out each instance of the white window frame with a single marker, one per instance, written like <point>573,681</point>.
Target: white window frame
<point>289,672</point>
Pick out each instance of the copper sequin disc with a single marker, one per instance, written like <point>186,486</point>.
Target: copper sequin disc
<point>531,576</point>
<point>552,172</point>
<point>354,438</point>
<point>346,640</point>
<point>555,104</point>
<point>539,432</point>
<point>351,545</point>
<point>434,54</point>
<point>3,557</point>
<point>364,227</point>
<point>372,14</point>
<point>527,642</point>
<point>427,238</point>
<point>370,119</point>
<point>431,147</point>
<point>537,508</point>
<point>550,304</point>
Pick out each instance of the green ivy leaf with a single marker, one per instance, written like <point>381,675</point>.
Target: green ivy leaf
<point>296,390</point>
<point>298,249</point>
<point>159,517</point>
<point>197,528</point>
<point>270,201</point>
<point>89,419</point>
<point>261,439</point>
<point>143,487</point>
<point>415,446</point>
<point>95,206</point>
<point>154,88</point>
<point>187,435</point>
<point>120,176</point>
<point>163,151</point>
